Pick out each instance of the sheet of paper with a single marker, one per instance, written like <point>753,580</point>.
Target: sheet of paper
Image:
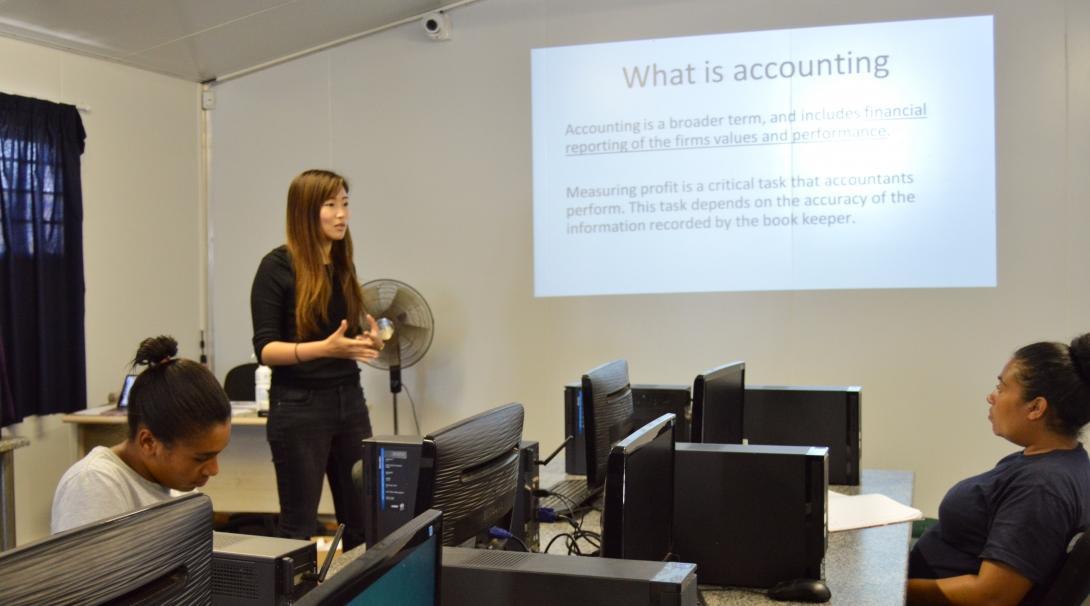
<point>243,409</point>
<point>865,510</point>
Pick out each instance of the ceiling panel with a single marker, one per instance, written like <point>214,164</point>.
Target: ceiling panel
<point>121,26</point>
<point>199,39</point>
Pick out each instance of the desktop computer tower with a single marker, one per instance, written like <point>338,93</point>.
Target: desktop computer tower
<point>524,524</point>
<point>391,471</point>
<point>478,577</point>
<point>809,416</point>
<point>250,570</point>
<point>750,516</point>
<point>649,402</point>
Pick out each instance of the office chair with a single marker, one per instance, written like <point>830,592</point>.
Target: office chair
<point>1072,584</point>
<point>239,383</point>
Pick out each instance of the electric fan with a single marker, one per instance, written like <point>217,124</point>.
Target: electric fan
<point>397,303</point>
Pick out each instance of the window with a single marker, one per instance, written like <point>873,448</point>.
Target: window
<point>42,352</point>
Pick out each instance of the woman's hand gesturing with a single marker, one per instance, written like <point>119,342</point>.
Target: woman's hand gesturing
<point>361,348</point>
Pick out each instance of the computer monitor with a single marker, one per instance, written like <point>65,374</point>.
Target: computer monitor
<point>718,404</point>
<point>649,402</point>
<point>469,471</point>
<point>402,569</point>
<point>639,504</point>
<point>607,410</point>
<point>161,554</point>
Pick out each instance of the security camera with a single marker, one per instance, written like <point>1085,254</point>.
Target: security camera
<point>436,25</point>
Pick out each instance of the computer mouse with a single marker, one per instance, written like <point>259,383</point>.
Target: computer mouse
<point>800,590</point>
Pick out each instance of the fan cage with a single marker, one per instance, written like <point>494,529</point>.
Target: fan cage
<point>408,310</point>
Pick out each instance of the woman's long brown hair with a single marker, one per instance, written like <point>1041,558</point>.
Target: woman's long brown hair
<point>306,195</point>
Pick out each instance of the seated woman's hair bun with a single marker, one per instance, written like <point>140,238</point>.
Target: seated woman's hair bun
<point>1079,350</point>
<point>175,398</point>
<point>155,351</point>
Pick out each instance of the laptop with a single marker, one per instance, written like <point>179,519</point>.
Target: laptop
<point>122,398</point>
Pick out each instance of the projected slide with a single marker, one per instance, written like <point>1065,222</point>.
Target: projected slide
<point>856,156</point>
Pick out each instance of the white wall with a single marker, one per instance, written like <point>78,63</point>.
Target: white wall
<point>435,138</point>
<point>143,232</point>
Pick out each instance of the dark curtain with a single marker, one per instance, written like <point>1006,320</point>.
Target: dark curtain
<point>44,368</point>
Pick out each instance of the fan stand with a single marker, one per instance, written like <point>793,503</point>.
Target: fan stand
<point>395,373</point>
<point>395,388</point>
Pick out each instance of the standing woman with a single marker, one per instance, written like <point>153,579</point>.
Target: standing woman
<point>307,310</point>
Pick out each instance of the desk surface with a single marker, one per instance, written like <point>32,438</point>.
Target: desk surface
<point>98,416</point>
<point>867,566</point>
<point>872,562</point>
<point>9,444</point>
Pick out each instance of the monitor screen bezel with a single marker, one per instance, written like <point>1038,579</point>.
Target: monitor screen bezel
<point>380,558</point>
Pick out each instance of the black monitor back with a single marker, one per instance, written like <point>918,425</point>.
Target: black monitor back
<point>607,411</point>
<point>649,402</point>
<point>809,416</point>
<point>403,568</point>
<point>718,404</point>
<point>639,501</point>
<point>469,471</point>
<point>161,554</point>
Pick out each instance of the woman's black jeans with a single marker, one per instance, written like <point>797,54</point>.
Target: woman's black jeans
<point>313,433</point>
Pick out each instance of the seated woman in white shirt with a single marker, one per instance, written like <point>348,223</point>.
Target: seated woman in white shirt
<point>179,422</point>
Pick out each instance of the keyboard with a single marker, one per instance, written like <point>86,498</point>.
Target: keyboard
<point>572,492</point>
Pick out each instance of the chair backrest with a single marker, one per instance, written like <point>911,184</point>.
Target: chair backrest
<point>1072,584</point>
<point>239,383</point>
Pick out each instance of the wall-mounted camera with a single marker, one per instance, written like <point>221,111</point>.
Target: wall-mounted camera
<point>436,25</point>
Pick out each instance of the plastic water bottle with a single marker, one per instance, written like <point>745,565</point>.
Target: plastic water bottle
<point>262,382</point>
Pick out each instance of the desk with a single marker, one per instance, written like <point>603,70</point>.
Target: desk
<point>862,567</point>
<point>865,567</point>
<point>247,480</point>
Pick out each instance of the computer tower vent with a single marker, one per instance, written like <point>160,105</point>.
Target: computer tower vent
<point>232,580</point>
<point>493,558</point>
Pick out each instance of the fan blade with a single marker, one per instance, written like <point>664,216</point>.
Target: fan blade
<point>423,323</point>
<point>418,315</point>
<point>414,344</point>
<point>376,299</point>
<point>402,303</point>
<point>412,335</point>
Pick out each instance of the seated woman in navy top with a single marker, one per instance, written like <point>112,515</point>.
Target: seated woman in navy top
<point>1002,536</point>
